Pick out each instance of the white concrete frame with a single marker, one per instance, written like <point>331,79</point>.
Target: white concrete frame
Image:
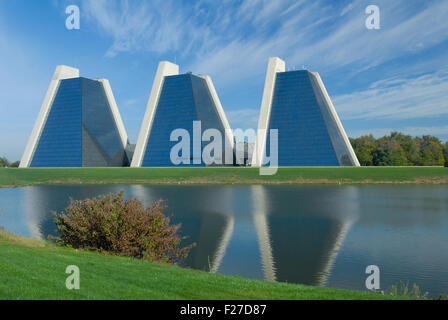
<point>62,72</point>
<point>335,118</point>
<point>114,109</point>
<point>222,116</point>
<point>165,69</point>
<point>275,65</point>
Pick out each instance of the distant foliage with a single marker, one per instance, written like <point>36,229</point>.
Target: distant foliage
<point>445,154</point>
<point>5,163</point>
<point>124,227</point>
<point>398,149</point>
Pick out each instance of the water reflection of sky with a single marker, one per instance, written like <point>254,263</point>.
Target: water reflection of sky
<point>318,235</point>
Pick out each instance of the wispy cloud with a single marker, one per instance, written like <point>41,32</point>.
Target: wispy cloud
<point>398,98</point>
<point>348,8</point>
<point>232,41</point>
<point>157,26</point>
<point>236,38</point>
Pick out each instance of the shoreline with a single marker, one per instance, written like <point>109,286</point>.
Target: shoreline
<point>422,182</point>
<point>13,178</point>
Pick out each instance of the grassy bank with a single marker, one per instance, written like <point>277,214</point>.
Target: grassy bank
<point>32,269</point>
<point>341,175</point>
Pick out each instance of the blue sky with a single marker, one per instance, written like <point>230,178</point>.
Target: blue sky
<point>395,78</point>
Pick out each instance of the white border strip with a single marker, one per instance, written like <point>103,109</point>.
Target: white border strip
<point>115,112</point>
<point>221,113</point>
<point>62,72</point>
<point>336,119</point>
<point>275,65</point>
<point>165,69</point>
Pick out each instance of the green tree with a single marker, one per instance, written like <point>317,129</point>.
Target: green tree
<point>364,147</point>
<point>398,149</point>
<point>4,162</point>
<point>445,153</point>
<point>409,145</point>
<point>431,152</point>
<point>389,153</point>
<point>14,164</point>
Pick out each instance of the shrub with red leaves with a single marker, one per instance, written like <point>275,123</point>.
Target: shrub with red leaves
<point>123,227</point>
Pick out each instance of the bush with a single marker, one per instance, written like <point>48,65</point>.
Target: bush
<point>123,227</point>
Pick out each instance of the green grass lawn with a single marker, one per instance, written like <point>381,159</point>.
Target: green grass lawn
<point>20,177</point>
<point>33,269</point>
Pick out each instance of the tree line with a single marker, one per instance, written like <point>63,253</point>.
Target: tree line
<point>4,163</point>
<point>398,149</point>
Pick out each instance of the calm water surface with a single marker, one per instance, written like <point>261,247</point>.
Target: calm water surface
<point>316,235</point>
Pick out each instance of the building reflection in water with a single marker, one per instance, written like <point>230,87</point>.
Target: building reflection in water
<point>274,233</point>
<point>307,230</point>
<point>206,217</point>
<point>260,215</point>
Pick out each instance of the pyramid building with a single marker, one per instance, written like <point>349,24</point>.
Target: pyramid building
<point>78,125</point>
<point>181,101</point>
<point>310,133</point>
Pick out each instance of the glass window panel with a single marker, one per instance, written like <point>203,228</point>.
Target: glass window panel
<point>303,139</point>
<point>184,98</point>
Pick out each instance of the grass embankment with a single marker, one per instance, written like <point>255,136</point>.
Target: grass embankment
<point>332,175</point>
<point>33,269</point>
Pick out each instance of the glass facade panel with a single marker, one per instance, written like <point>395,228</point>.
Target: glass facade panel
<point>102,144</point>
<point>175,110</point>
<point>184,98</point>
<point>303,139</point>
<point>60,144</point>
<point>207,112</point>
<point>340,146</point>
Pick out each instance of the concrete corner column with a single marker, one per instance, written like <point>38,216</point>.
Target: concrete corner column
<point>275,65</point>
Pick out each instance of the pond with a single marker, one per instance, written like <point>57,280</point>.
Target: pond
<point>315,235</point>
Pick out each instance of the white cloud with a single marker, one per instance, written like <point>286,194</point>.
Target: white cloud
<point>157,26</point>
<point>401,33</point>
<point>348,8</point>
<point>231,39</point>
<point>398,98</point>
